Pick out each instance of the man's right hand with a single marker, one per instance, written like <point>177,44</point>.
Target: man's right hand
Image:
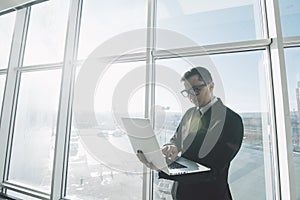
<point>170,151</point>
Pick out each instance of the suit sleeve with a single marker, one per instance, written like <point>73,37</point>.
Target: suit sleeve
<point>177,137</point>
<point>229,145</point>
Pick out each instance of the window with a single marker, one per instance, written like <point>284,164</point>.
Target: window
<point>290,17</point>
<point>35,129</point>
<point>6,34</point>
<point>2,87</point>
<point>102,163</point>
<point>46,33</point>
<point>293,76</point>
<point>207,22</point>
<point>102,20</point>
<point>243,89</point>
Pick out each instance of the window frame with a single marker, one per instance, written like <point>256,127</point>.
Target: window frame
<point>273,44</point>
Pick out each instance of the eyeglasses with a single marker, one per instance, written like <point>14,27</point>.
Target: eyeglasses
<point>194,91</point>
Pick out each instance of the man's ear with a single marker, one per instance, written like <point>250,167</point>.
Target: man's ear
<point>211,85</point>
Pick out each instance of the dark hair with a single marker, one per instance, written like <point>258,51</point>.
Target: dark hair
<point>203,74</point>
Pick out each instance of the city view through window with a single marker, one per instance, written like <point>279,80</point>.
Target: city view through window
<point>99,162</point>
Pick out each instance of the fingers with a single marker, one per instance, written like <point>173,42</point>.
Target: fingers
<point>141,156</point>
<point>174,153</point>
<point>165,149</point>
<point>170,151</point>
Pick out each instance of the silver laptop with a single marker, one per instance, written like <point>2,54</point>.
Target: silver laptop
<point>142,137</point>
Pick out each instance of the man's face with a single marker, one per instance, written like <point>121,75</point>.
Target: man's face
<point>203,95</point>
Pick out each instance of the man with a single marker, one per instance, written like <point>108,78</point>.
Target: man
<point>210,134</point>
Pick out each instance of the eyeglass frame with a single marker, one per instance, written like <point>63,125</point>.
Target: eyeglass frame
<point>194,91</point>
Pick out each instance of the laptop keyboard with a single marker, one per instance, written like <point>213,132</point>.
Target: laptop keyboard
<point>176,165</point>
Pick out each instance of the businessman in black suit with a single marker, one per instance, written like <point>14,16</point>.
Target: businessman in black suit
<point>210,134</point>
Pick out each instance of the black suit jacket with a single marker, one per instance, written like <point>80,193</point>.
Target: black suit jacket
<point>215,144</point>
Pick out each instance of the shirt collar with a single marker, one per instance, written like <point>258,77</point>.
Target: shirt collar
<point>207,106</point>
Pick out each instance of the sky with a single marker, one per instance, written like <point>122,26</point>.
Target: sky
<point>240,80</point>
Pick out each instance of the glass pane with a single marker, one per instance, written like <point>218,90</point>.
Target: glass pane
<point>240,83</point>
<point>290,17</point>
<point>7,23</point>
<point>35,129</point>
<point>2,87</point>
<point>102,164</point>
<point>209,22</point>
<point>293,76</point>
<point>46,33</point>
<point>102,20</point>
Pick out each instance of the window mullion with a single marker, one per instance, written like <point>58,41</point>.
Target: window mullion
<point>280,102</point>
<point>58,184</point>
<point>10,94</point>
